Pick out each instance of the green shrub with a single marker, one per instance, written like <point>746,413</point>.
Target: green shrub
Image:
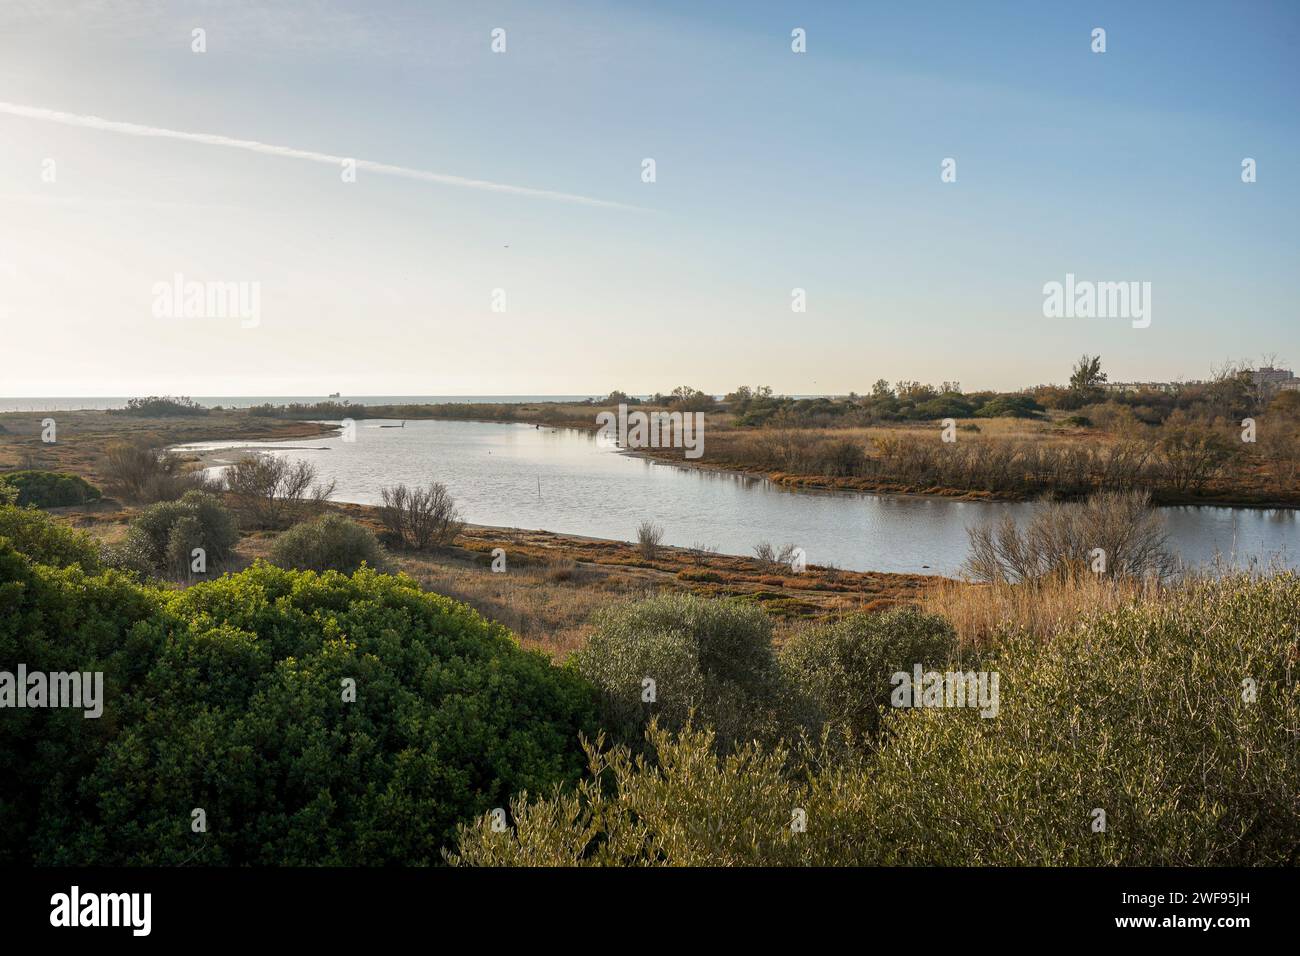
<point>229,697</point>
<point>61,620</point>
<point>945,406</point>
<point>161,406</point>
<point>8,493</point>
<point>708,656</point>
<point>1145,713</point>
<point>1010,406</point>
<point>755,417</point>
<point>1142,713</point>
<point>686,809</point>
<point>330,543</point>
<point>838,675</point>
<point>185,536</point>
<point>163,536</point>
<point>48,540</point>
<point>51,489</point>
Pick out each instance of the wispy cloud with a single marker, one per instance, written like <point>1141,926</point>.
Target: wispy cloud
<point>289,152</point>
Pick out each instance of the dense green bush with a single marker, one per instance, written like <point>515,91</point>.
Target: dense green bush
<point>51,489</point>
<point>838,675</point>
<point>1176,717</point>
<point>330,543</point>
<point>62,620</point>
<point>708,656</point>
<point>1010,406</point>
<point>46,540</point>
<point>161,406</point>
<point>162,538</point>
<point>230,697</point>
<point>945,406</point>
<point>1146,713</point>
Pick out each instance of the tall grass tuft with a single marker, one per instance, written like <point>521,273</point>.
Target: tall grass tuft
<point>979,612</point>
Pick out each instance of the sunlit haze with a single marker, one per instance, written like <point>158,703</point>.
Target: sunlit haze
<point>522,172</point>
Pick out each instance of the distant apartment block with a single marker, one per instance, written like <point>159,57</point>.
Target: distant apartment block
<point>1272,379</point>
<point>1168,387</point>
<point>1276,378</point>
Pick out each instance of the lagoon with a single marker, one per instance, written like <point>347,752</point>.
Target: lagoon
<point>564,480</point>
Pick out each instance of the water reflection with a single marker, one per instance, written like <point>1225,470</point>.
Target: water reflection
<point>562,480</point>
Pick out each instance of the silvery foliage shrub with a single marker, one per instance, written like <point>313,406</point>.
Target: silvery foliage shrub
<point>162,538</point>
<point>710,657</point>
<point>186,536</point>
<point>688,807</point>
<point>330,543</point>
<point>1143,712</point>
<point>838,675</point>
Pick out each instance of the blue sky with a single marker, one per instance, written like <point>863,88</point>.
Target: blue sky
<point>774,171</point>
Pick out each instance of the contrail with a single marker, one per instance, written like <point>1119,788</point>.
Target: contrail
<point>288,152</point>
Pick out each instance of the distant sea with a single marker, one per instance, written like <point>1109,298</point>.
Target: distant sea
<point>247,401</point>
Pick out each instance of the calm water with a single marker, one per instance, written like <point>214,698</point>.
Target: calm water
<point>560,480</point>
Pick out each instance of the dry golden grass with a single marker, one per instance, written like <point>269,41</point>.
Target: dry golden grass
<point>980,611</point>
<point>793,456</point>
<point>554,582</point>
<point>548,609</point>
<point>83,436</point>
<point>1002,459</point>
<point>546,603</point>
